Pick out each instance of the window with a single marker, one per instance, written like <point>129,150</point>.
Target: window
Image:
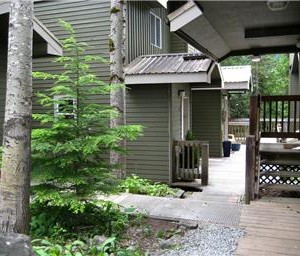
<point>155,30</point>
<point>65,106</point>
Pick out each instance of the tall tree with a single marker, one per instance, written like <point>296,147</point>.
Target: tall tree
<point>14,183</point>
<point>117,57</point>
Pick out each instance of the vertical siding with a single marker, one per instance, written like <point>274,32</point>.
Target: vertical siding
<point>138,29</point>
<point>176,108</point>
<point>149,156</point>
<point>206,119</point>
<point>177,45</point>
<point>3,62</point>
<point>91,22</point>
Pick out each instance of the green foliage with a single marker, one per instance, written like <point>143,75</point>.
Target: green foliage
<point>137,185</point>
<point>61,223</point>
<point>190,135</point>
<point>70,149</point>
<point>43,247</point>
<point>271,74</point>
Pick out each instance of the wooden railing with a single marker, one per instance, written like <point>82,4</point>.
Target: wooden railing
<point>240,130</point>
<point>280,116</point>
<point>270,116</point>
<point>191,161</point>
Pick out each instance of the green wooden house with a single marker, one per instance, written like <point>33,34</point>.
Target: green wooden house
<point>44,44</point>
<point>170,91</point>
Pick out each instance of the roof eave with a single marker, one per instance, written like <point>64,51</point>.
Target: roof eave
<point>54,47</point>
<point>201,77</point>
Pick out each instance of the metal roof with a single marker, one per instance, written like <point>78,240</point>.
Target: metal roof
<point>180,63</point>
<point>237,77</point>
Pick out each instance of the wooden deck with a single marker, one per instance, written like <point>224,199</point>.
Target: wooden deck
<point>272,227</point>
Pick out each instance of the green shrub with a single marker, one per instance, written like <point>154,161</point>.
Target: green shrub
<point>61,223</point>
<point>43,247</point>
<point>137,185</point>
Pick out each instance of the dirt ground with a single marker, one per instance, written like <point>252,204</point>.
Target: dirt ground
<point>149,234</point>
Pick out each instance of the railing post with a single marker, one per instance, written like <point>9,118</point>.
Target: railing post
<point>254,115</point>
<point>204,163</point>
<point>250,168</point>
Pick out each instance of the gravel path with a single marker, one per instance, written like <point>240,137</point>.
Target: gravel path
<point>206,240</point>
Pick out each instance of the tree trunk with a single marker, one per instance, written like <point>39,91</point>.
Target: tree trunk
<point>14,182</point>
<point>116,48</point>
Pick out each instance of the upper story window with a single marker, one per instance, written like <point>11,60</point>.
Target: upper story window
<point>155,28</point>
<point>65,106</point>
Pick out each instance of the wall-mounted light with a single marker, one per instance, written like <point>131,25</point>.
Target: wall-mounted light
<point>255,58</point>
<point>181,93</point>
<point>277,5</point>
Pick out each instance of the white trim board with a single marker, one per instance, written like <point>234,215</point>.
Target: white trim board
<point>168,78</point>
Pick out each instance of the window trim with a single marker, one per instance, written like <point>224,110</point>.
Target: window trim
<point>68,115</point>
<point>156,17</point>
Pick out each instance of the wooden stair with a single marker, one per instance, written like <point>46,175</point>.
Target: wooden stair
<point>282,175</point>
<point>281,187</point>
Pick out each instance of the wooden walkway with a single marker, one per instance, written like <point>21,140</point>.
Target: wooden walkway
<point>272,227</point>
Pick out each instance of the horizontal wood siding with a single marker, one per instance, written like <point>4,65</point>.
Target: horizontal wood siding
<point>148,156</point>
<point>91,22</point>
<point>138,29</point>
<point>206,119</point>
<point>3,61</point>
<point>177,45</point>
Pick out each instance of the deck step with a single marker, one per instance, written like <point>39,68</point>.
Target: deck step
<point>281,187</point>
<point>285,174</point>
<point>280,162</point>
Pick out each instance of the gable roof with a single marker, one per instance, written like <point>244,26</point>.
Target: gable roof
<point>170,68</point>
<point>237,78</point>
<point>44,42</point>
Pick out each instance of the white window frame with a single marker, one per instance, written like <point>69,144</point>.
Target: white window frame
<point>156,43</point>
<point>70,115</point>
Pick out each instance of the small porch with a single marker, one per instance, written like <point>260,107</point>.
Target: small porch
<point>276,166</point>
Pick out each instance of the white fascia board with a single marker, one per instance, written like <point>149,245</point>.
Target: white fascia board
<point>54,47</point>
<point>167,78</point>
<point>184,15</point>
<point>237,86</point>
<point>4,7</point>
<point>208,89</point>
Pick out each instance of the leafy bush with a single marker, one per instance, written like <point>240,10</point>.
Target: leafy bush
<point>44,247</point>
<point>137,185</point>
<point>60,223</point>
<point>70,149</point>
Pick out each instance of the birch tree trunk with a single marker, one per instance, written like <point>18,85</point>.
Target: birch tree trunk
<point>117,57</point>
<point>15,182</point>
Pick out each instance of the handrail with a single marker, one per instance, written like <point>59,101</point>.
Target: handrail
<point>280,116</point>
<point>191,161</point>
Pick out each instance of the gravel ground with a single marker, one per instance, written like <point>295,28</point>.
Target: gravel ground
<point>206,240</point>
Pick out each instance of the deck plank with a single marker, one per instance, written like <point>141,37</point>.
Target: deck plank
<point>272,228</point>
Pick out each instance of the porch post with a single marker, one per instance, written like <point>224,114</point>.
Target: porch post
<point>250,168</point>
<point>204,163</point>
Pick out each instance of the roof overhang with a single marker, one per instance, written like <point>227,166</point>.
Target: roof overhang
<point>229,28</point>
<point>44,42</point>
<point>237,79</point>
<point>173,68</point>
<point>202,77</point>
